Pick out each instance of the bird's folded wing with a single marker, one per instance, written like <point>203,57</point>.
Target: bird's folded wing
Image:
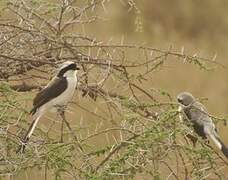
<point>52,90</point>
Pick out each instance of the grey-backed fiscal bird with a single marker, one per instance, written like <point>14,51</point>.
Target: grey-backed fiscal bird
<point>56,94</point>
<point>201,121</point>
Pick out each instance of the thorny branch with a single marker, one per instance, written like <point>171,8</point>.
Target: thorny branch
<point>121,125</point>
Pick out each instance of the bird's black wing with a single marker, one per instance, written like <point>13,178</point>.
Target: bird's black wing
<point>53,89</point>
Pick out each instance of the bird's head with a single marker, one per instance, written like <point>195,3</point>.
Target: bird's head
<point>185,98</point>
<point>68,69</point>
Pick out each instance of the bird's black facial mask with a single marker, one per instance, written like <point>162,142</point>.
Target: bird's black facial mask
<point>183,102</point>
<point>186,101</point>
<point>72,66</point>
<point>180,100</point>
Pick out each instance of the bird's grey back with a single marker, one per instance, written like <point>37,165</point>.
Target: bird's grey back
<point>197,112</point>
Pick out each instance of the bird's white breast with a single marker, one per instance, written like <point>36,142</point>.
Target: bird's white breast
<point>67,95</point>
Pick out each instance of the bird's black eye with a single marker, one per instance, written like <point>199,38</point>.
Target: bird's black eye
<point>77,68</point>
<point>180,100</point>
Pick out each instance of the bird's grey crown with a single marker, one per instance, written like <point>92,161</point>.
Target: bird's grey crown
<point>185,98</point>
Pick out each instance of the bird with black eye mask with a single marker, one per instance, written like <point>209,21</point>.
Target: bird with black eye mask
<point>56,94</point>
<point>201,121</point>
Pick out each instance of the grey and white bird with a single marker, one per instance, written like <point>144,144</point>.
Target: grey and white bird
<point>57,93</point>
<point>201,121</point>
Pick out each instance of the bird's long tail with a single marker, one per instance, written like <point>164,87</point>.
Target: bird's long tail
<point>224,149</point>
<point>216,139</point>
<point>29,132</point>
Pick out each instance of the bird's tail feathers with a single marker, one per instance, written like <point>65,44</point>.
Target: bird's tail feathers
<point>216,139</point>
<point>224,148</point>
<point>29,132</point>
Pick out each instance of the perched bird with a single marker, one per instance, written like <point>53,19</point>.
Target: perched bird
<point>56,94</point>
<point>201,121</point>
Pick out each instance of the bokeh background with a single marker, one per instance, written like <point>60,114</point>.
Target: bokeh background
<point>199,27</point>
